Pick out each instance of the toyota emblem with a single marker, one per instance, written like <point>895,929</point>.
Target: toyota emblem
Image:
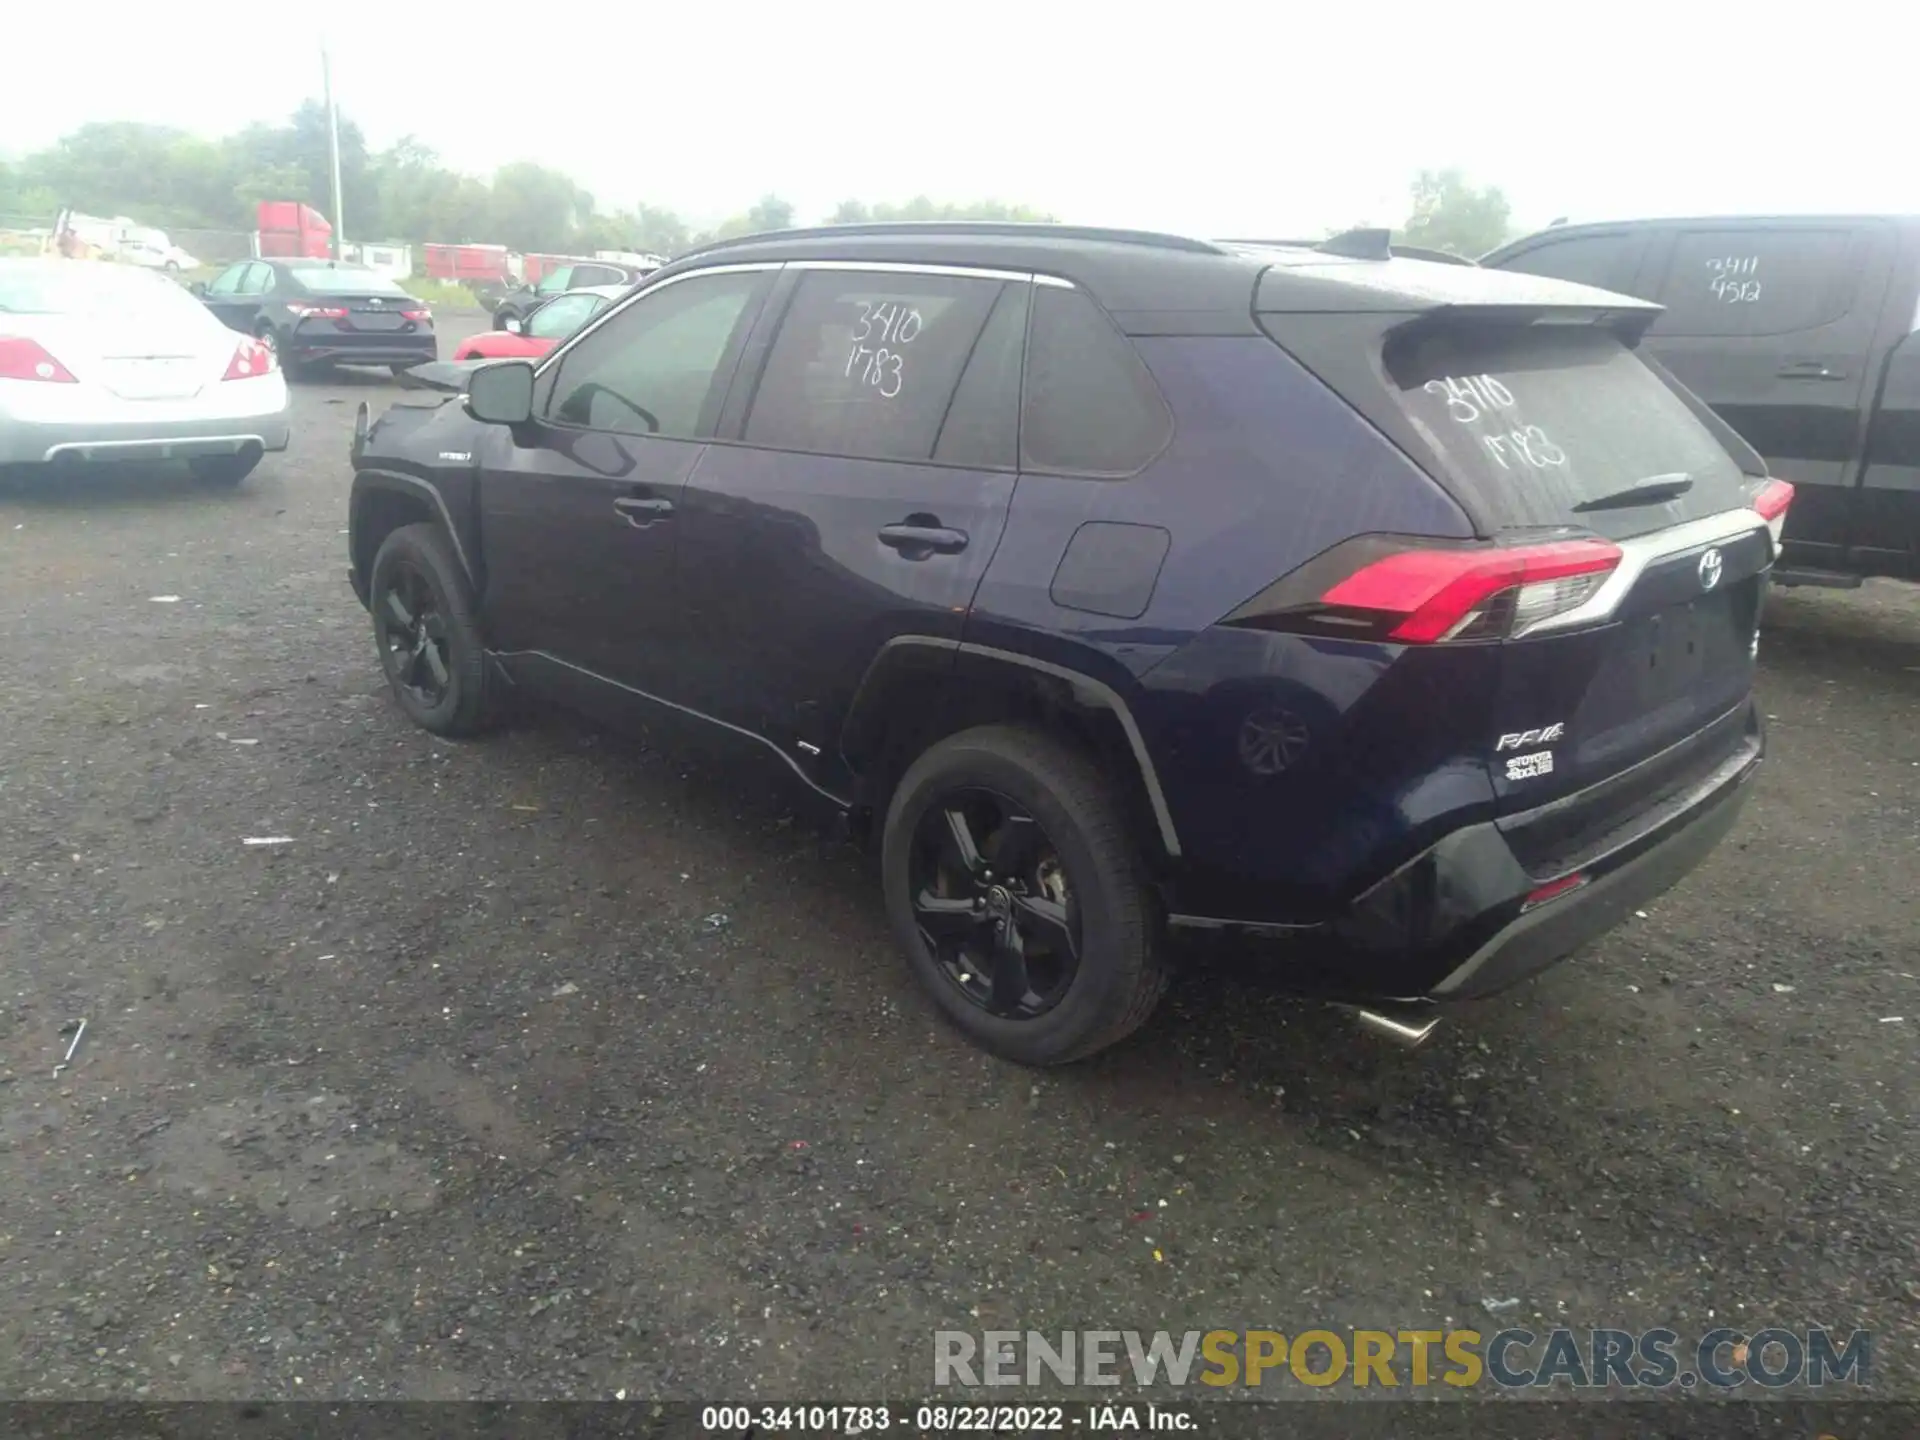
<point>1710,567</point>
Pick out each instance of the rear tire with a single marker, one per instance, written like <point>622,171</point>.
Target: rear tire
<point>1117,973</point>
<point>225,471</point>
<point>429,642</point>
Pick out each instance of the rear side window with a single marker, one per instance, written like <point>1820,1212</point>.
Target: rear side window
<point>1540,422</point>
<point>866,363</point>
<point>1608,262</point>
<point>1091,407</point>
<point>982,428</point>
<point>1756,282</point>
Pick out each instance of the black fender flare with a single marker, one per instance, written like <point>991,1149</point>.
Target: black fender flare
<point>375,481</point>
<point>907,659</point>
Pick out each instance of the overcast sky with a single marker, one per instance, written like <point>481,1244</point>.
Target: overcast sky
<point>1210,119</point>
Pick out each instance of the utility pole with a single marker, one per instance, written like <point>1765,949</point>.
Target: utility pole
<point>333,150</point>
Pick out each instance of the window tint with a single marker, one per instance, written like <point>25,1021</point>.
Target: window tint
<point>257,281</point>
<point>596,275</point>
<point>1091,407</point>
<point>1607,261</point>
<point>227,282</point>
<point>1539,421</point>
<point>563,315</point>
<point>554,281</point>
<point>344,280</point>
<point>655,369</point>
<point>982,427</point>
<point>1756,282</point>
<point>865,363</point>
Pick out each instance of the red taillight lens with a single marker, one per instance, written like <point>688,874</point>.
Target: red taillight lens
<point>418,314</point>
<point>1553,890</point>
<point>1427,596</point>
<point>1772,500</point>
<point>251,359</point>
<point>24,359</point>
<point>318,312</point>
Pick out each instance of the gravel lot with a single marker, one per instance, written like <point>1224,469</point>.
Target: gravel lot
<point>554,1066</point>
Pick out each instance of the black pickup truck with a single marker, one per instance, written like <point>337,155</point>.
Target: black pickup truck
<point>1803,332</point>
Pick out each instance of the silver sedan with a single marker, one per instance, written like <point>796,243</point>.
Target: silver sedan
<point>105,362</point>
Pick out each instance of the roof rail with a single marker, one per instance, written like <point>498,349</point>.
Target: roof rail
<point>1022,229</point>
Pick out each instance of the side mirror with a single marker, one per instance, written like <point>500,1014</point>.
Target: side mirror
<point>501,393</point>
<point>198,287</point>
<point>513,326</point>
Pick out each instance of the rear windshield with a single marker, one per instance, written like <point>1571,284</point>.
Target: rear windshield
<point>1542,421</point>
<point>343,280</point>
<point>90,288</point>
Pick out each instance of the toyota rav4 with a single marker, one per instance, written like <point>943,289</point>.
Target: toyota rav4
<point>1398,613</point>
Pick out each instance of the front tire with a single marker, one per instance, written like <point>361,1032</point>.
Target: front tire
<point>429,642</point>
<point>1016,894</point>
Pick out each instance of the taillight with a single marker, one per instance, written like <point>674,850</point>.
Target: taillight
<point>317,312</point>
<point>1428,596</point>
<point>418,314</point>
<point>1415,593</point>
<point>24,359</point>
<point>1771,501</point>
<point>252,358</point>
<point>1553,890</point>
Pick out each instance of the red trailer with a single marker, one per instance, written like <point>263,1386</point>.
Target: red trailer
<point>538,265</point>
<point>288,229</point>
<point>469,264</point>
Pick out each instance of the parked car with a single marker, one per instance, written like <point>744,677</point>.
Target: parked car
<point>519,302</point>
<point>1804,333</point>
<point>318,312</point>
<point>1112,582</point>
<point>549,324</point>
<point>104,362</point>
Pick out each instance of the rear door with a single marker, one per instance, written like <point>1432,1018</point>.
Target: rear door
<point>1773,324</point>
<point>1559,431</point>
<point>864,498</point>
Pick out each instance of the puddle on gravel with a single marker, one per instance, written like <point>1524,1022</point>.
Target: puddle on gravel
<point>300,1158</point>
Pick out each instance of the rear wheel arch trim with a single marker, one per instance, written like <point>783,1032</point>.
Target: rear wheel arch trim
<point>369,481</point>
<point>1097,692</point>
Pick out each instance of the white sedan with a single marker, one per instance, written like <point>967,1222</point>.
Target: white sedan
<point>104,362</point>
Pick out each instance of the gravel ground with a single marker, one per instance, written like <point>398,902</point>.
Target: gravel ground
<point>554,1066</point>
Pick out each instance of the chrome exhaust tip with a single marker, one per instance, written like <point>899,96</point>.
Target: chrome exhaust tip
<point>1408,1028</point>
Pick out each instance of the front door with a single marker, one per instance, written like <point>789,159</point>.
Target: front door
<point>580,506</point>
<point>865,497</point>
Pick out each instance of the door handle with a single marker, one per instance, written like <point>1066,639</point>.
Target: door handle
<point>641,511</point>
<point>1809,370</point>
<point>923,539</point>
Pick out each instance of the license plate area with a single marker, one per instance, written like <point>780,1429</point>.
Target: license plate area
<point>376,320</point>
<point>153,377</point>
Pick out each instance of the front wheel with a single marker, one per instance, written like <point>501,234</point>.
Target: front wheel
<point>1015,892</point>
<point>429,642</point>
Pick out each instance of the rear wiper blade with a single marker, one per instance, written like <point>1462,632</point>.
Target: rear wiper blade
<point>1650,491</point>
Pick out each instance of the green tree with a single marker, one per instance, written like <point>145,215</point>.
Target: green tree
<point>852,212</point>
<point>1451,215</point>
<point>537,210</point>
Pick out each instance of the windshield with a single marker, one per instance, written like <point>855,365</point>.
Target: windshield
<point>1542,422</point>
<point>92,288</point>
<point>344,280</point>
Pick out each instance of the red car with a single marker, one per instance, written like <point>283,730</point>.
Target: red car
<point>544,328</point>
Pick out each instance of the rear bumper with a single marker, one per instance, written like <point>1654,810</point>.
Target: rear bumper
<point>25,442</point>
<point>1457,922</point>
<point>337,349</point>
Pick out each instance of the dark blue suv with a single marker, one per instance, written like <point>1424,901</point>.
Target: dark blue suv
<point>1397,612</point>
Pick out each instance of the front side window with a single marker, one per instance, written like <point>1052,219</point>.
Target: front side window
<point>866,362</point>
<point>657,367</point>
<point>257,281</point>
<point>554,281</point>
<point>227,282</point>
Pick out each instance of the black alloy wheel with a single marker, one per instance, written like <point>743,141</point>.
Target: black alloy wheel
<point>413,636</point>
<point>993,904</point>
